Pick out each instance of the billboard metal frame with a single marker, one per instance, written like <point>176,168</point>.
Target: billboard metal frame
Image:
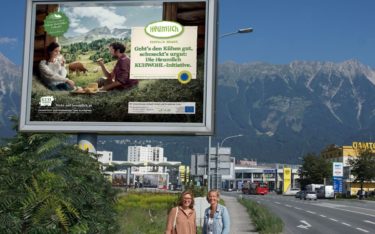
<point>206,127</point>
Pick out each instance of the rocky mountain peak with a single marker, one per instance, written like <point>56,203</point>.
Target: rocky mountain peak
<point>353,68</point>
<point>6,65</point>
<point>96,34</point>
<point>10,76</point>
<point>100,30</point>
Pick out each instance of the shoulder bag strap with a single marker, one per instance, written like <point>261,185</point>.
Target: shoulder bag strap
<point>175,218</point>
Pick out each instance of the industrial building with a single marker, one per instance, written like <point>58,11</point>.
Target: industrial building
<point>146,167</point>
<point>224,172</point>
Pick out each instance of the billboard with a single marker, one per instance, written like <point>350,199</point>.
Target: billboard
<point>338,169</point>
<point>156,180</point>
<point>129,67</point>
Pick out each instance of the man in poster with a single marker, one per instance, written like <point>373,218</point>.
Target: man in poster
<point>119,77</point>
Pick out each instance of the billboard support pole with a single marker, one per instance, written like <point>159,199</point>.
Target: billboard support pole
<point>128,171</point>
<point>87,142</point>
<point>208,164</point>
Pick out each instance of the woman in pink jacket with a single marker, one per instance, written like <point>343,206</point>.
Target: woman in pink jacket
<point>181,219</point>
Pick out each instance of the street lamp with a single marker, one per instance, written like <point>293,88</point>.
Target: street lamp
<point>217,158</point>
<point>243,30</point>
<point>239,135</point>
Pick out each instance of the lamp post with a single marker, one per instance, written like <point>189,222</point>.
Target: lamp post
<point>217,159</point>
<point>350,182</point>
<point>243,30</point>
<point>221,144</point>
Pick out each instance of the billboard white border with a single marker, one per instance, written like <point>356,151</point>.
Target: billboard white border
<point>204,128</point>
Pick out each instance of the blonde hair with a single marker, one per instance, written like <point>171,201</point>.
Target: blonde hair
<point>213,191</point>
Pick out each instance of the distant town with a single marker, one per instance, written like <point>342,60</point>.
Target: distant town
<point>147,167</point>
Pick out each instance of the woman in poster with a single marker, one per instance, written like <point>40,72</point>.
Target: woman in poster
<point>52,70</point>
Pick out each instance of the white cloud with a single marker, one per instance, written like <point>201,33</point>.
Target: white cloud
<point>73,22</point>
<point>81,30</point>
<point>152,6</point>
<point>8,40</point>
<point>100,16</point>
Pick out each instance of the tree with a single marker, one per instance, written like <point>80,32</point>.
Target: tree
<point>50,186</point>
<point>363,167</point>
<point>314,170</point>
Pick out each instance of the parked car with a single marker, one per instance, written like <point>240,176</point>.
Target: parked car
<point>311,195</point>
<point>291,192</point>
<point>298,194</point>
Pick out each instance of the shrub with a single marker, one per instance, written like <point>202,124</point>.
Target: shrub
<point>49,186</point>
<point>264,221</point>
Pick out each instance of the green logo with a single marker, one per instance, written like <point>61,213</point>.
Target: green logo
<point>56,24</point>
<point>164,29</point>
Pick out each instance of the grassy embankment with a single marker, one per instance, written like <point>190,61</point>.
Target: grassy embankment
<point>145,213</point>
<point>264,221</point>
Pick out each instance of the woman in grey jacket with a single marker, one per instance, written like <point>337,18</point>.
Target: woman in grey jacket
<point>216,217</point>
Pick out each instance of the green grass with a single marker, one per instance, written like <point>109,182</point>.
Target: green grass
<point>94,71</point>
<point>146,213</point>
<point>264,221</point>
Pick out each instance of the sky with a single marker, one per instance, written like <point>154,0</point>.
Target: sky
<point>284,31</point>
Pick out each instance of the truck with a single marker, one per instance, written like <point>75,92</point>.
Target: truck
<point>326,191</point>
<point>257,188</point>
<point>313,187</point>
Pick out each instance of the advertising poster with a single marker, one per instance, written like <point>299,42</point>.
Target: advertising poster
<point>338,169</point>
<point>287,179</point>
<point>337,184</point>
<point>155,181</point>
<point>119,66</point>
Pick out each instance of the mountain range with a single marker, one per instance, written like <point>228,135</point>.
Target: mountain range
<point>10,89</point>
<point>96,34</point>
<point>289,110</point>
<point>282,111</point>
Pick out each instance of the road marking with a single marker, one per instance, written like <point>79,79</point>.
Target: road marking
<point>306,226</point>
<point>352,211</point>
<point>363,230</point>
<point>297,208</point>
<point>333,219</point>
<point>367,221</point>
<point>288,205</point>
<point>311,212</point>
<point>323,216</point>
<point>346,224</point>
<point>278,203</point>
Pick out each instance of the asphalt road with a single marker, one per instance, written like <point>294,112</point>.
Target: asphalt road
<point>321,216</point>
